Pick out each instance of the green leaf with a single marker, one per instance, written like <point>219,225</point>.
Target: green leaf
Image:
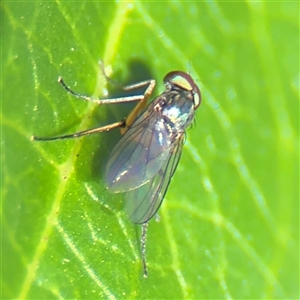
<point>229,224</point>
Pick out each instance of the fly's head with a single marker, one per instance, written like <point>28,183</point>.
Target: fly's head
<point>178,80</point>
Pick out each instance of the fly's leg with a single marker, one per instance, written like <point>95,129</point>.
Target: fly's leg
<point>100,101</point>
<point>143,246</point>
<point>141,104</point>
<point>150,84</point>
<point>141,99</point>
<point>123,124</point>
<point>109,127</point>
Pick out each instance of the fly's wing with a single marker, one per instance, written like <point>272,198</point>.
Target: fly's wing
<point>140,153</point>
<point>143,202</point>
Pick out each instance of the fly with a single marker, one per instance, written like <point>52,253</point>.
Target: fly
<point>143,162</point>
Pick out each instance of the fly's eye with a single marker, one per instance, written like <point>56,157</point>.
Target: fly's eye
<point>181,81</point>
<point>185,82</point>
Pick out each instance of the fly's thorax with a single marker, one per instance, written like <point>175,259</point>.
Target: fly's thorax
<point>178,110</point>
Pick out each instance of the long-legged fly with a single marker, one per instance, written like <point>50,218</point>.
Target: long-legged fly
<point>143,162</point>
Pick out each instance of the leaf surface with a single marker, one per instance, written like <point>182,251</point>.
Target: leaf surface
<point>229,224</point>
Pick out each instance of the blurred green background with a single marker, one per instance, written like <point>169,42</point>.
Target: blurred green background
<point>229,224</point>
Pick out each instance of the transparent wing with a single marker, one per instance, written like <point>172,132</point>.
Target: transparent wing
<point>140,153</point>
<point>142,203</point>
